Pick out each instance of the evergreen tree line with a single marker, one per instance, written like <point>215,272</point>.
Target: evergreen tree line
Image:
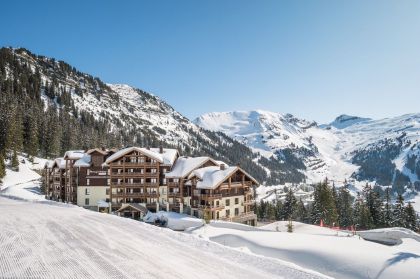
<point>49,124</point>
<point>369,210</point>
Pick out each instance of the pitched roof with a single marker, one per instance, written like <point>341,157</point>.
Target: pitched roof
<point>103,152</point>
<point>49,164</point>
<point>168,156</point>
<point>85,161</point>
<point>134,206</point>
<point>185,165</point>
<point>74,154</point>
<point>212,177</point>
<point>59,162</point>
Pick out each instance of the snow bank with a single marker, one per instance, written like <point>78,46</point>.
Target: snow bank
<point>389,236</point>
<point>173,220</point>
<point>337,254</point>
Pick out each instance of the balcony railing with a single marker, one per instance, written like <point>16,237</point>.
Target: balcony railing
<point>127,185</point>
<point>210,196</point>
<point>241,217</point>
<point>209,207</point>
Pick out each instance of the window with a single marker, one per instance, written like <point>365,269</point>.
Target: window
<point>153,170</point>
<point>88,171</point>
<point>164,170</point>
<point>87,191</point>
<point>87,182</point>
<point>86,201</point>
<point>109,171</point>
<point>153,180</point>
<point>107,191</point>
<point>227,202</point>
<point>227,212</point>
<point>164,181</point>
<point>176,180</point>
<point>236,211</point>
<point>236,200</point>
<point>108,181</point>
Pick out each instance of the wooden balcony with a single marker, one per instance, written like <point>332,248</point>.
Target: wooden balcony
<point>210,197</point>
<point>135,195</point>
<point>174,195</point>
<point>134,185</point>
<point>249,202</point>
<point>241,217</point>
<point>209,207</point>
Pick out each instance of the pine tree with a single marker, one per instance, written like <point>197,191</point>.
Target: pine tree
<point>410,218</point>
<point>15,161</point>
<point>387,210</point>
<point>398,218</point>
<point>324,205</point>
<point>289,205</point>
<point>301,213</point>
<point>2,167</point>
<point>345,210</point>
<point>361,213</point>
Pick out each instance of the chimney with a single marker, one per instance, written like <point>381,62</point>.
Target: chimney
<point>222,166</point>
<point>161,149</point>
<point>148,147</point>
<point>103,148</point>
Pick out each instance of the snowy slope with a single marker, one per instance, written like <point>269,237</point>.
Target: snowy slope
<point>25,183</point>
<point>333,253</point>
<point>46,239</point>
<point>326,150</point>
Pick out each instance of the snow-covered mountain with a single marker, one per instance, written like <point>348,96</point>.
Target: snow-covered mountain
<point>385,151</point>
<point>88,112</point>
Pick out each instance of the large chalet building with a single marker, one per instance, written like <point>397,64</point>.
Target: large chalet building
<point>134,180</point>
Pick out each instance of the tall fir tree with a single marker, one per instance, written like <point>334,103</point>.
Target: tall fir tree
<point>398,213</point>
<point>411,218</point>
<point>345,207</point>
<point>2,167</point>
<point>289,205</point>
<point>324,206</point>
<point>387,209</point>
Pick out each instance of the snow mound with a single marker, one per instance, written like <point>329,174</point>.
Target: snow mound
<point>172,220</point>
<point>389,236</point>
<point>336,254</point>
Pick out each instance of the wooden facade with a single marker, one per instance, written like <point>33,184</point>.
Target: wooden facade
<point>135,177</point>
<point>231,200</point>
<point>138,176</point>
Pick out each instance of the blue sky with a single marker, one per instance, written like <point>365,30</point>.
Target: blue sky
<point>314,59</point>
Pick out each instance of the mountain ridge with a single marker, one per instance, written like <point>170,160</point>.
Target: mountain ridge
<point>384,151</point>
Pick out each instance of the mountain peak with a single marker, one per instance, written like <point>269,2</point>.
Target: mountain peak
<point>344,121</point>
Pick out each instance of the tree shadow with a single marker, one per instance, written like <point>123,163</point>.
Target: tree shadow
<point>399,257</point>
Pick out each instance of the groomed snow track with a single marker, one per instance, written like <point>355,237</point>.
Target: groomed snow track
<point>53,240</point>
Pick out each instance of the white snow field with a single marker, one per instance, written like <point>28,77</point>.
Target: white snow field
<point>337,254</point>
<point>25,183</point>
<point>46,239</point>
<point>54,240</point>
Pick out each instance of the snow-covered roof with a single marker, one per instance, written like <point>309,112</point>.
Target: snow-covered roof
<point>59,162</point>
<point>168,156</point>
<point>185,165</point>
<point>90,151</point>
<point>212,177</point>
<point>102,204</point>
<point>49,164</point>
<point>83,162</point>
<point>74,154</point>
